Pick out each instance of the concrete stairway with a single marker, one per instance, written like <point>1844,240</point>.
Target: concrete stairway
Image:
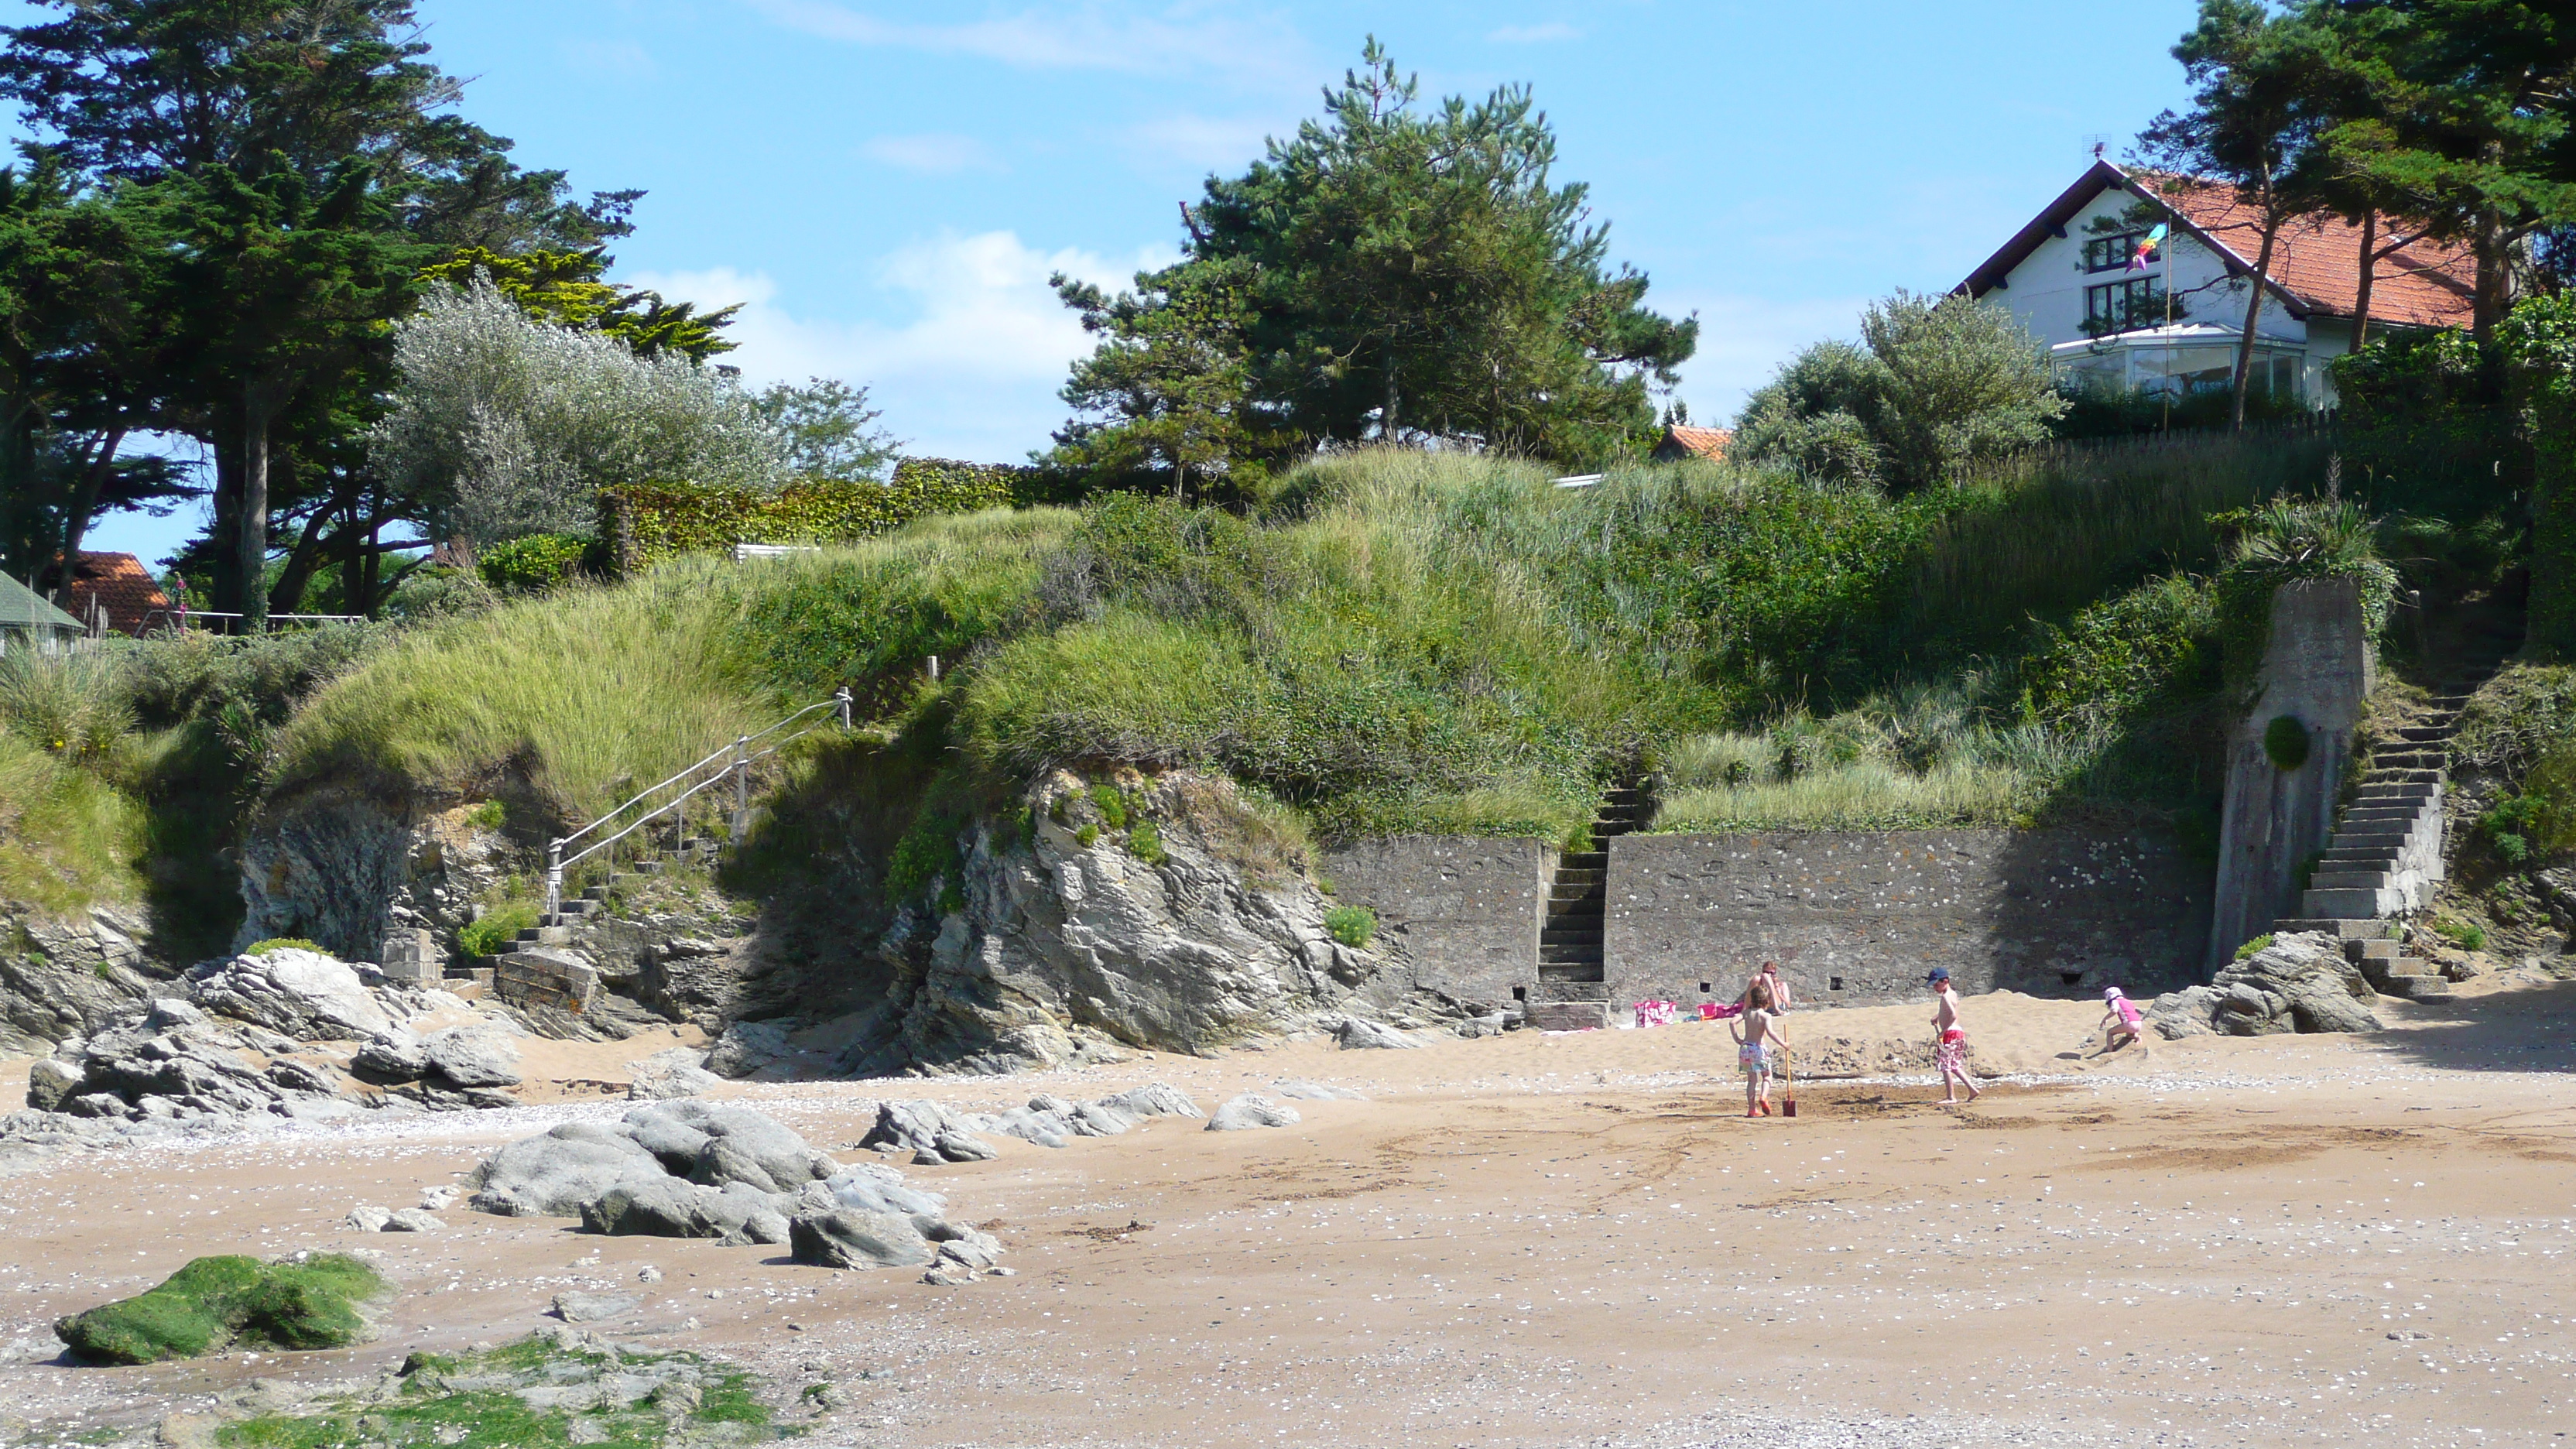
<point>2373,946</point>
<point>2386,855</point>
<point>1573,988</point>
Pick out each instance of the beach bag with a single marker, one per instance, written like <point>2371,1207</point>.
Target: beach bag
<point>1655,1013</point>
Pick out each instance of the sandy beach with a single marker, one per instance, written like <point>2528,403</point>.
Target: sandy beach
<point>1529,1240</point>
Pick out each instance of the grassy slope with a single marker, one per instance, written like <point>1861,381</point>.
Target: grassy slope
<point>1409,641</point>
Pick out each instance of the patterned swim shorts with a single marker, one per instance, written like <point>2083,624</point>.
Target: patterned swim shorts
<point>1952,1056</point>
<point>1752,1057</point>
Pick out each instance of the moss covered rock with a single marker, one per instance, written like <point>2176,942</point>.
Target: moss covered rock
<point>217,1303</point>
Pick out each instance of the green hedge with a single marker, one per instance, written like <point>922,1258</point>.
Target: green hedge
<point>651,522</point>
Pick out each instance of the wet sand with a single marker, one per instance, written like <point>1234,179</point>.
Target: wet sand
<point>1536,1240</point>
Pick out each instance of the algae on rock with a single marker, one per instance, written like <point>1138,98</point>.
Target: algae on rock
<point>217,1303</point>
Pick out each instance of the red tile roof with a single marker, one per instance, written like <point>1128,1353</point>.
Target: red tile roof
<point>2316,260</point>
<point>1681,442</point>
<point>122,587</point>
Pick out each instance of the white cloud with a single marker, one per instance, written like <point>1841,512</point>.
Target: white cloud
<point>973,373</point>
<point>1552,31</point>
<point>1184,38</point>
<point>932,155</point>
<point>622,59</point>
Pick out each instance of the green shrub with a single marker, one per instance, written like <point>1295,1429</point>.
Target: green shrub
<point>284,943</point>
<point>1111,805</point>
<point>491,933</point>
<point>2285,742</point>
<point>489,815</point>
<point>927,852</point>
<point>1087,836</point>
<point>535,562</point>
<point>1353,926</point>
<point>2151,645</point>
<point>222,1302</point>
<point>656,522</point>
<point>2463,934</point>
<point>2259,943</point>
<point>1145,842</point>
<point>74,706</point>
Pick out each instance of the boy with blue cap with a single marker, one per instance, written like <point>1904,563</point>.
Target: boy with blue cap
<point>1950,1039</point>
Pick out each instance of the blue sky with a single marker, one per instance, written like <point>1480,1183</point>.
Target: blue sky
<point>887,186</point>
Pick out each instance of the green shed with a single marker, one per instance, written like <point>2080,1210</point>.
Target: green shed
<point>28,622</point>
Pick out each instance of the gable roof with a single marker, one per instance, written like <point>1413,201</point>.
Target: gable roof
<point>1684,442</point>
<point>2316,260</point>
<point>121,586</point>
<point>22,608</point>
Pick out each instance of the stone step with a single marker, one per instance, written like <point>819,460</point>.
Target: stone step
<point>2394,817</point>
<point>1567,1015</point>
<point>1585,936</point>
<point>1583,860</point>
<point>1567,878</point>
<point>2357,880</point>
<point>1584,965</point>
<point>2424,734</point>
<point>2339,902</point>
<point>2349,928</point>
<point>546,936</point>
<point>1569,971</point>
<point>1590,905</point>
<point>2366,951</point>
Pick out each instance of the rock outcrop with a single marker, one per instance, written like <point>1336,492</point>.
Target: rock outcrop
<point>342,867</point>
<point>1068,941</point>
<point>2300,983</point>
<point>67,977</point>
<point>690,1170</point>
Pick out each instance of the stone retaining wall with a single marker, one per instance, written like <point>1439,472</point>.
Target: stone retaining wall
<point>1464,909</point>
<point>1860,917</point>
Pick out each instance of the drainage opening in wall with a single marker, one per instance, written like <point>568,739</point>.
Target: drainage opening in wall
<point>1834,983</point>
<point>1703,988</point>
<point>1520,993</point>
<point>2071,978</point>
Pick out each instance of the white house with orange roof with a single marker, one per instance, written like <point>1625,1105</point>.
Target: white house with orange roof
<point>2119,308</point>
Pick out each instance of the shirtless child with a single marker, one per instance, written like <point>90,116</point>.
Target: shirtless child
<point>1756,1034</point>
<point>1950,1049</point>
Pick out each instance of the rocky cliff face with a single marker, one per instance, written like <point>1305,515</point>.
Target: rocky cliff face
<point>342,868</point>
<point>1059,946</point>
<point>1053,943</point>
<point>61,978</point>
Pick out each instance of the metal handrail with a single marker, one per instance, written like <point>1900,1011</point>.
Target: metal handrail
<point>738,758</point>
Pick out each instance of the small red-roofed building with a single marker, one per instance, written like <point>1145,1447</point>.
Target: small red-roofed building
<point>114,593</point>
<point>1681,442</point>
<point>2120,309</point>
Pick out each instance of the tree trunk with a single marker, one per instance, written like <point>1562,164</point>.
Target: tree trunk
<point>250,547</point>
<point>1387,410</point>
<point>2253,315</point>
<point>84,500</point>
<point>297,576</point>
<point>225,593</point>
<point>2495,268</point>
<point>2369,270</point>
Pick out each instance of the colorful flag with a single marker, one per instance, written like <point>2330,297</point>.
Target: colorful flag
<point>2146,246</point>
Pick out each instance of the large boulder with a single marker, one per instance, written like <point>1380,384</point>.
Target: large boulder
<point>674,1073</point>
<point>854,1238</point>
<point>472,1057</point>
<point>297,993</point>
<point>1249,1111</point>
<point>2301,982</point>
<point>553,1175</point>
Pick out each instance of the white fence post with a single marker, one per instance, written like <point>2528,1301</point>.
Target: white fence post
<point>554,880</point>
<point>741,786</point>
<point>842,698</point>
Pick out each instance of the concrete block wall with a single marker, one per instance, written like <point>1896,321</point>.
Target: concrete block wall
<point>1860,916</point>
<point>1464,909</point>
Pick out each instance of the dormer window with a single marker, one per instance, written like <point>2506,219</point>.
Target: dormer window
<point>2111,253</point>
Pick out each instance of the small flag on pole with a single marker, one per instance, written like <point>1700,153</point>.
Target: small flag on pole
<point>2146,247</point>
